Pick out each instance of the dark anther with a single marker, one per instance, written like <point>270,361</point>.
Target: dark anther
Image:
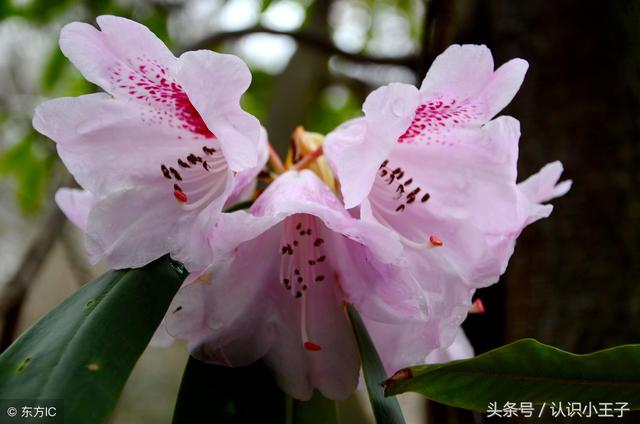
<point>425,197</point>
<point>165,172</point>
<point>295,243</point>
<point>309,231</point>
<point>284,249</point>
<point>408,182</point>
<point>176,187</point>
<point>318,242</point>
<point>178,309</point>
<point>300,279</point>
<point>400,208</point>
<point>296,271</point>
<point>319,278</point>
<point>304,287</point>
<point>299,225</point>
<point>192,159</point>
<point>298,294</point>
<point>384,163</point>
<point>285,281</point>
<point>312,262</point>
<point>176,174</point>
<point>183,163</point>
<point>321,258</point>
<point>208,150</point>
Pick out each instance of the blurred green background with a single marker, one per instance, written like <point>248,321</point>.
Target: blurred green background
<point>574,280</point>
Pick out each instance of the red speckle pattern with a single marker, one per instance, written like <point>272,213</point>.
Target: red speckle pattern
<point>437,117</point>
<point>147,81</point>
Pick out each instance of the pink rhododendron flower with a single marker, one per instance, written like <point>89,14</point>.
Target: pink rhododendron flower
<point>278,289</point>
<point>157,153</point>
<point>432,165</point>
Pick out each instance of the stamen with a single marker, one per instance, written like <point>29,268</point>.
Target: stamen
<point>302,265</point>
<point>204,199</point>
<point>312,346</point>
<point>477,307</point>
<point>180,196</point>
<point>303,328</point>
<point>434,240</point>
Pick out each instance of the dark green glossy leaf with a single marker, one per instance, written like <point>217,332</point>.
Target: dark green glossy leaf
<point>527,371</point>
<point>84,349</point>
<point>218,394</point>
<point>385,409</point>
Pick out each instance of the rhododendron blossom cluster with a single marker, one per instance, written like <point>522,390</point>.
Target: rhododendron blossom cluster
<point>403,212</point>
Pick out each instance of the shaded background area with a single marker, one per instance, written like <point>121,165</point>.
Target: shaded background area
<point>574,279</point>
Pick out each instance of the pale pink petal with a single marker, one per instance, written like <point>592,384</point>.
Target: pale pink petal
<point>219,102</point>
<point>356,149</point>
<point>503,86</point>
<point>134,66</point>
<point>126,237</point>
<point>333,369</point>
<point>107,145</point>
<point>466,72</point>
<point>460,349</point>
<point>161,338</point>
<point>460,72</point>
<point>289,306</point>
<point>245,182</point>
<point>460,93</point>
<point>543,186</point>
<point>124,228</point>
<point>380,289</point>
<point>97,54</point>
<point>75,204</point>
<point>403,345</point>
<point>241,313</point>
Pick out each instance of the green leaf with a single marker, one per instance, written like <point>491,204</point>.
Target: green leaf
<point>219,394</point>
<point>317,410</point>
<point>385,409</point>
<point>527,371</point>
<point>85,348</point>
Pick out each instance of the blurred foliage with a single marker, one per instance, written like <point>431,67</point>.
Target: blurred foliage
<point>31,167</point>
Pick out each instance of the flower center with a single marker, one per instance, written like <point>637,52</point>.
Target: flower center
<point>197,178</point>
<point>303,264</point>
<point>393,193</point>
<point>400,188</point>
